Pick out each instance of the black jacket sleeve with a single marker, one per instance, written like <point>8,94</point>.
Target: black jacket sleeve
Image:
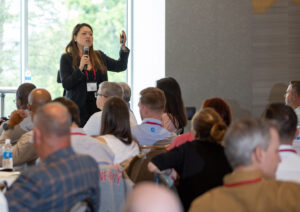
<point>116,65</point>
<point>171,159</point>
<point>69,77</point>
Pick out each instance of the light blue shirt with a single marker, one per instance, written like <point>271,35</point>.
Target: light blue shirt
<point>150,131</point>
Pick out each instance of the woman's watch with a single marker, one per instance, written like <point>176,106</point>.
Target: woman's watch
<point>6,127</point>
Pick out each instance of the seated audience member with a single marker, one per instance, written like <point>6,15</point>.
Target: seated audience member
<point>251,147</point>
<point>106,90</point>
<point>219,105</point>
<point>126,98</point>
<point>150,131</point>
<point>82,143</point>
<point>3,203</point>
<point>292,98</point>
<point>63,178</point>
<point>174,117</point>
<point>115,130</point>
<point>289,167</point>
<point>150,197</point>
<point>23,150</point>
<point>26,124</point>
<point>201,164</point>
<point>114,188</point>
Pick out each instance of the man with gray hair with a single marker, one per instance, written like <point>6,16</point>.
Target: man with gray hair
<point>62,178</point>
<point>251,147</point>
<point>106,90</point>
<point>126,98</point>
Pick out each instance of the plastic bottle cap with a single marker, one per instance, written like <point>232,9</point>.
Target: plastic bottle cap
<point>7,141</point>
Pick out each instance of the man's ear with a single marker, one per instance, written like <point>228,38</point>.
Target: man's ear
<point>36,136</point>
<point>29,107</point>
<point>296,133</point>
<point>258,155</point>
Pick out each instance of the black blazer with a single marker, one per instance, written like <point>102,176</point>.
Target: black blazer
<point>74,81</point>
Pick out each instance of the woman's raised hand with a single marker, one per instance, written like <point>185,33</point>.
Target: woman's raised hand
<point>123,40</point>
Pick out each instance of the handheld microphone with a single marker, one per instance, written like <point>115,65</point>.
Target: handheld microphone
<point>85,51</point>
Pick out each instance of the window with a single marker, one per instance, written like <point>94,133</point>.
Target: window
<point>34,34</point>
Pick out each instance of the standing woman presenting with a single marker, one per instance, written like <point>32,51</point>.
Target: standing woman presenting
<point>82,69</point>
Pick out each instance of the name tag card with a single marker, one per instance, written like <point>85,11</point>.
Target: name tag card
<point>91,86</point>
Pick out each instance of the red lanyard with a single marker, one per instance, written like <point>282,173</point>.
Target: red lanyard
<point>153,123</point>
<point>287,150</point>
<point>243,182</point>
<point>87,75</point>
<point>77,133</point>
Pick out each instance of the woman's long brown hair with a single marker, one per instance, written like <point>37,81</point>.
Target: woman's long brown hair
<point>72,49</point>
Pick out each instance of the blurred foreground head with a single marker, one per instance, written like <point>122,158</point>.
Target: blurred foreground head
<point>150,197</point>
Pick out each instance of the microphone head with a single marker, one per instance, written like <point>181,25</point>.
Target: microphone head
<point>86,50</point>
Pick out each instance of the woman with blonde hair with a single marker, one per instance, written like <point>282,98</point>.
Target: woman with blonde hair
<point>201,164</point>
<point>220,106</point>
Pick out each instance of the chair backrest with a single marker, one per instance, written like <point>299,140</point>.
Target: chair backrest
<point>114,187</point>
<point>137,168</point>
<point>58,80</point>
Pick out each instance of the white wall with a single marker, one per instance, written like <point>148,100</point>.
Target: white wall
<point>147,31</point>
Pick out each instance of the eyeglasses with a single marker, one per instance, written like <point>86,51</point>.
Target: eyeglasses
<point>99,94</point>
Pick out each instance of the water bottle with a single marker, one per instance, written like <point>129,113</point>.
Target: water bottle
<point>27,76</point>
<point>7,158</point>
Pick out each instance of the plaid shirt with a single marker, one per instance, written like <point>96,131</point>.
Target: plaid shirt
<point>56,184</point>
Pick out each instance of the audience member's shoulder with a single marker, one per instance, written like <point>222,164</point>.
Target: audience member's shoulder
<point>86,159</point>
<point>36,173</point>
<point>206,201</point>
<point>96,115</point>
<point>66,56</point>
<point>284,186</point>
<point>135,127</point>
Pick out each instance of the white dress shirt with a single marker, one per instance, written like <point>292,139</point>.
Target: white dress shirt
<point>289,167</point>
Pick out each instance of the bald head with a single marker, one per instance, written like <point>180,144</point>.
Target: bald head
<point>53,119</point>
<point>150,197</point>
<point>37,98</point>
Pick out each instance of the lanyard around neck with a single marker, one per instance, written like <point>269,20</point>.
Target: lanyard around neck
<point>152,123</point>
<point>287,150</point>
<point>87,75</point>
<point>77,133</point>
<point>245,182</point>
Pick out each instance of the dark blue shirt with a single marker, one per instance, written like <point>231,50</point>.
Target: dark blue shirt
<point>56,184</point>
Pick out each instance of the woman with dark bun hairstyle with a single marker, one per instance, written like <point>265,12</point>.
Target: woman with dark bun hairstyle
<point>201,164</point>
<point>174,117</point>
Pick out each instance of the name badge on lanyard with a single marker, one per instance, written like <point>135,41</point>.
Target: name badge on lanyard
<point>91,86</point>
